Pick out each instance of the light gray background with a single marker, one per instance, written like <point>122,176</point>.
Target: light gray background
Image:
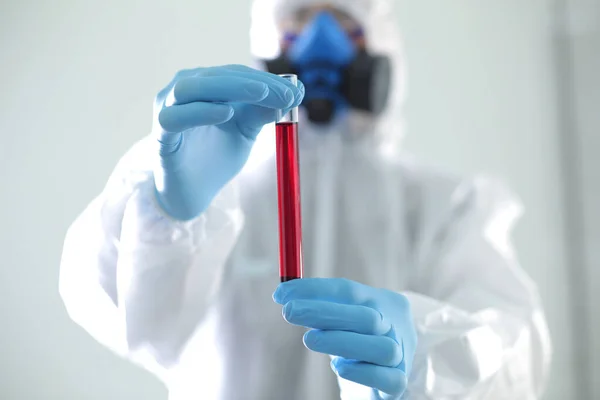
<point>505,86</point>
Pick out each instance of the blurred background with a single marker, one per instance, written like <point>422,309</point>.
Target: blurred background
<point>509,87</point>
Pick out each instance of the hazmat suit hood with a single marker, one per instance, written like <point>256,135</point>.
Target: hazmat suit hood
<point>377,19</point>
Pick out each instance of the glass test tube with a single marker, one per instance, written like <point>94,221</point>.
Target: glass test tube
<point>288,192</point>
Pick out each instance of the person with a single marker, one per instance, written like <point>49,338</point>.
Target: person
<point>412,288</point>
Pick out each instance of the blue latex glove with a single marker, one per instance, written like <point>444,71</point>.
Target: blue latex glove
<point>206,121</point>
<point>370,330</point>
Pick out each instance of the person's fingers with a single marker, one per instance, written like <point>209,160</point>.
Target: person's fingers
<point>380,350</point>
<point>260,74</point>
<point>391,381</point>
<point>249,120</point>
<point>233,70</point>
<point>335,290</point>
<point>184,73</point>
<point>318,314</point>
<point>252,95</point>
<point>298,99</point>
<point>176,119</point>
<point>216,89</point>
<point>232,89</point>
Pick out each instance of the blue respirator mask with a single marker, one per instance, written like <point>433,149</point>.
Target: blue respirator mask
<point>337,75</point>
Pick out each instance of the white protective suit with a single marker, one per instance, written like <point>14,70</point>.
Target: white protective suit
<point>191,301</point>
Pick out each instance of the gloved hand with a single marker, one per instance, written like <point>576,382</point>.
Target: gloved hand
<point>370,330</point>
<point>206,121</point>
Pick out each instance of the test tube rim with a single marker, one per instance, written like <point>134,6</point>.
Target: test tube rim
<point>291,116</point>
<point>293,78</point>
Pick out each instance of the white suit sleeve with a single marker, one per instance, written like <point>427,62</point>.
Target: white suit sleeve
<point>135,279</point>
<point>481,327</point>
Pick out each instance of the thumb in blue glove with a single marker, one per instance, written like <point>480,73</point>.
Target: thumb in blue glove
<point>369,330</point>
<point>206,121</point>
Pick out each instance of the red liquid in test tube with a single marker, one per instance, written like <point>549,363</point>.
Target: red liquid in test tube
<point>288,193</point>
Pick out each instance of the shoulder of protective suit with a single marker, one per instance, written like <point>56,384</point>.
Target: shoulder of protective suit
<point>441,194</point>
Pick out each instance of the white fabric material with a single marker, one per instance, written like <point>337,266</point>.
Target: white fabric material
<point>191,302</point>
